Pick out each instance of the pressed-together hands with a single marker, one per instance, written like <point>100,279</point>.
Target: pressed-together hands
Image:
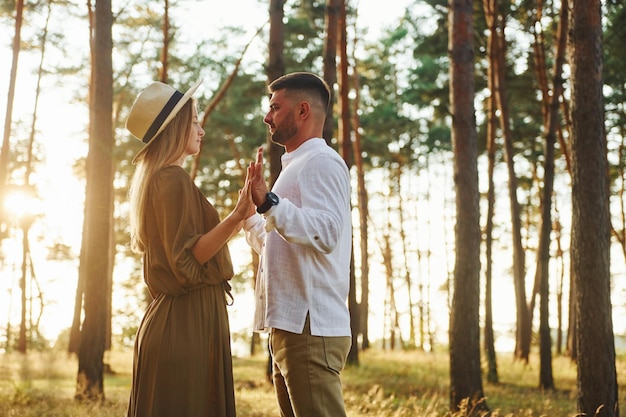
<point>253,192</point>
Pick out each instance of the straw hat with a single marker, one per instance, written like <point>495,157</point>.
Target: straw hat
<point>153,109</point>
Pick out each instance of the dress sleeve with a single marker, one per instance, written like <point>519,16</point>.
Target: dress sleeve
<point>180,222</point>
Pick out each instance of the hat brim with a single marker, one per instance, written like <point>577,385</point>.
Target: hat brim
<point>185,98</point>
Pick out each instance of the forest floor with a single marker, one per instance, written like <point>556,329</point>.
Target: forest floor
<point>385,383</point>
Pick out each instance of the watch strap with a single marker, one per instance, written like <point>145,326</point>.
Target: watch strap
<point>270,201</point>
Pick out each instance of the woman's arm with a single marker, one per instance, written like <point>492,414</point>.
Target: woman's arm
<point>211,242</point>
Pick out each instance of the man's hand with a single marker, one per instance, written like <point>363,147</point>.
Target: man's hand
<point>257,179</point>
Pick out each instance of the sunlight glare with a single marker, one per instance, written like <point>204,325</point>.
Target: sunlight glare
<point>21,204</point>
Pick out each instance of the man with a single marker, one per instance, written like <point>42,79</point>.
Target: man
<point>303,233</point>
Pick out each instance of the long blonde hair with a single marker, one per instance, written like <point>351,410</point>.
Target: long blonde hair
<point>168,147</point>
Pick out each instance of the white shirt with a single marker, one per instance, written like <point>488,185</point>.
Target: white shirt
<point>305,243</point>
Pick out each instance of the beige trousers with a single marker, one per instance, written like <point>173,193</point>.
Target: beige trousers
<point>307,373</point>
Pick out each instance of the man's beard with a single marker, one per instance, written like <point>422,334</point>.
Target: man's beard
<point>283,134</point>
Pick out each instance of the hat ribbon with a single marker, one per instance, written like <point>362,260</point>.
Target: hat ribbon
<point>158,121</point>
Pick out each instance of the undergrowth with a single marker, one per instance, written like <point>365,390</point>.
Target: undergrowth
<point>389,384</point>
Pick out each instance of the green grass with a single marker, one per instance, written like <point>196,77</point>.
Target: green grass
<point>396,384</point>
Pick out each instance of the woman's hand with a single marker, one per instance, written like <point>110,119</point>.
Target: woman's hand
<point>245,206</point>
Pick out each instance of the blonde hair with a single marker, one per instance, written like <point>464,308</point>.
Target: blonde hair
<point>166,148</point>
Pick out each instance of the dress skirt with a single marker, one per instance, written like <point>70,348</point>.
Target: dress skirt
<point>182,359</point>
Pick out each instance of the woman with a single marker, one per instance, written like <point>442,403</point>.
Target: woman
<point>182,361</point>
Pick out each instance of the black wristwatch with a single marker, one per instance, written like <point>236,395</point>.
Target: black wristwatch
<point>271,200</point>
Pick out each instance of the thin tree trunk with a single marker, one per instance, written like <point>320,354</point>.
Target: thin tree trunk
<point>391,307</point>
<point>558,231</point>
<point>489,7</point>
<point>362,201</point>
<point>165,51</point>
<point>27,220</point>
<point>620,234</point>
<point>275,69</point>
<point>406,256</point>
<point>4,152</point>
<point>332,42</point>
<point>546,381</point>
<point>21,341</point>
<point>79,296</point>
<point>426,334</point>
<point>523,331</point>
<point>336,9</point>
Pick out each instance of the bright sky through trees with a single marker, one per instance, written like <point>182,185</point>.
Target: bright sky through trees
<point>61,137</point>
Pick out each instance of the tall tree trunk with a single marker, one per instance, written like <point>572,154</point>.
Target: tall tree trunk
<point>21,341</point>
<point>275,69</point>
<point>572,333</point>
<point>331,43</point>
<point>490,7</point>
<point>558,231</point>
<point>391,310</point>
<point>8,117</point>
<point>620,234</point>
<point>523,325</point>
<point>546,380</point>
<point>27,219</point>
<point>465,370</point>
<point>79,295</point>
<point>411,343</point>
<point>618,227</point>
<point>427,337</point>
<point>165,51</point>
<point>99,196</point>
<point>362,201</point>
<point>336,9</point>
<point>591,226</point>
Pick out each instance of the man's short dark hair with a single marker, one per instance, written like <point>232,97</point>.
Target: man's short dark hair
<point>303,81</point>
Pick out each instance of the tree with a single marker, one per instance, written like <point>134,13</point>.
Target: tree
<point>4,152</point>
<point>546,381</point>
<point>591,225</point>
<point>615,99</point>
<point>331,45</point>
<point>490,8</point>
<point>97,240</point>
<point>363,305</point>
<point>523,330</point>
<point>344,139</point>
<point>465,374</point>
<point>27,218</point>
<point>275,68</point>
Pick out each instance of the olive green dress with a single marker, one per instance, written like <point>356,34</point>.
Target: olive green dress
<point>182,360</point>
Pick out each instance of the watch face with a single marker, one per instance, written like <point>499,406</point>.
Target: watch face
<point>273,198</point>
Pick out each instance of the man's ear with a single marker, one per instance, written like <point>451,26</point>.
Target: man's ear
<point>305,109</point>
